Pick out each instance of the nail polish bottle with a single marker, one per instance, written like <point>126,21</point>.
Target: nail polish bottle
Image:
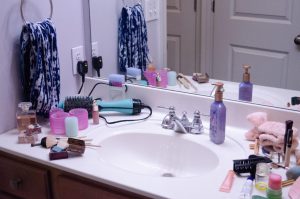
<point>95,113</point>
<point>25,116</point>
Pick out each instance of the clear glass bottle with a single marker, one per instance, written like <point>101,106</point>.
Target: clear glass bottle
<point>25,116</point>
<point>262,176</point>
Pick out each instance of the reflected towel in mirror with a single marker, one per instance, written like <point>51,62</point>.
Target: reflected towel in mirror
<point>133,39</point>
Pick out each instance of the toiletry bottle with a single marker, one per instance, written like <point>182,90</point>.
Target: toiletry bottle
<point>25,116</point>
<point>218,116</point>
<point>246,87</point>
<point>274,190</point>
<point>246,192</point>
<point>95,113</point>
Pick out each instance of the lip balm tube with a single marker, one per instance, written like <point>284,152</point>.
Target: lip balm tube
<point>227,183</point>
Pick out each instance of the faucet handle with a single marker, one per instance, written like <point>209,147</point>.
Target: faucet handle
<point>197,126</point>
<point>167,122</point>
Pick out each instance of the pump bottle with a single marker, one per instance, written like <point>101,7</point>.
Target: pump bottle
<point>246,87</point>
<point>218,116</point>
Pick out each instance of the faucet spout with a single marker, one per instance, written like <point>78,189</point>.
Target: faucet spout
<point>179,127</point>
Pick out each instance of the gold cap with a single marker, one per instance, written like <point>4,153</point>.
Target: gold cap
<point>219,91</point>
<point>246,75</point>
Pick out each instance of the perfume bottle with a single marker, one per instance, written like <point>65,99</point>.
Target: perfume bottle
<point>25,116</point>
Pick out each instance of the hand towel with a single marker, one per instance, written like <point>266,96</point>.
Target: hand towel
<point>39,68</point>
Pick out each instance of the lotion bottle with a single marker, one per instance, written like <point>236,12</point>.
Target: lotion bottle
<point>246,87</point>
<point>218,116</point>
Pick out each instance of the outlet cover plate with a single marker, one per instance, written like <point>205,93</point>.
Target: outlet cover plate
<point>77,55</point>
<point>151,8</point>
<point>95,49</point>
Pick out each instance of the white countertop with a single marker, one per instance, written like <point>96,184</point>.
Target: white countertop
<point>91,166</point>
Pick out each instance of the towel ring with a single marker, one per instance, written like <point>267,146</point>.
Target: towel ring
<point>22,14</point>
<point>132,1</point>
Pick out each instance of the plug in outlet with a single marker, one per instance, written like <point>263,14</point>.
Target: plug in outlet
<point>77,55</point>
<point>95,51</point>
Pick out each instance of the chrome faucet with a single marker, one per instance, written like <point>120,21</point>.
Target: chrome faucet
<point>182,125</point>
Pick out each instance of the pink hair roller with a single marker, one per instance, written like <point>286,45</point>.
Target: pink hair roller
<point>57,122</point>
<point>151,77</point>
<point>82,116</point>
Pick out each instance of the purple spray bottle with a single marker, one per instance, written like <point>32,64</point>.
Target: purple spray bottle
<point>218,116</point>
<point>246,87</point>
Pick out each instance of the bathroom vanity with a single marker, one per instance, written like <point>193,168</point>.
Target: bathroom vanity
<point>137,160</point>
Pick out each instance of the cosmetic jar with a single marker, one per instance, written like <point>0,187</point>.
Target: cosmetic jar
<point>57,122</point>
<point>82,116</point>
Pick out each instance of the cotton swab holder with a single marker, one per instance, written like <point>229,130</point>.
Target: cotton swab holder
<point>134,72</point>
<point>82,116</point>
<point>71,124</point>
<point>117,87</point>
<point>57,122</point>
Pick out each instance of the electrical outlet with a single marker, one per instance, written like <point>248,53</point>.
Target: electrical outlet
<point>77,55</point>
<point>95,49</point>
<point>151,8</point>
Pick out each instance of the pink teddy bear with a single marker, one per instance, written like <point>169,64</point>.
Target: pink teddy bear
<point>270,133</point>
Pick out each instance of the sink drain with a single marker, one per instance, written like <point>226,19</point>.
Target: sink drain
<point>168,175</point>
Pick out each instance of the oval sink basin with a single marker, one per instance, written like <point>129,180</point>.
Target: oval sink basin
<point>158,155</point>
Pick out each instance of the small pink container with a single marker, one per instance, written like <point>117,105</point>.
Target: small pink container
<point>82,116</point>
<point>57,122</point>
<point>163,78</point>
<point>151,77</point>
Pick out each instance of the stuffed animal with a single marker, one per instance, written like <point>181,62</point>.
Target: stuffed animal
<point>270,133</point>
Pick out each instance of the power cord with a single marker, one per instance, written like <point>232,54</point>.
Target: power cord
<point>102,83</point>
<point>82,69</point>
<point>135,120</point>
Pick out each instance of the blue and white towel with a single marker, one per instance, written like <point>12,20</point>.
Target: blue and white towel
<point>40,70</point>
<point>133,39</point>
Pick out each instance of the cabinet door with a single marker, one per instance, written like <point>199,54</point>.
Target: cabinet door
<point>22,180</point>
<point>67,187</point>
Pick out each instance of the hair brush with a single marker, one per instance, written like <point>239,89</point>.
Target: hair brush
<point>126,106</point>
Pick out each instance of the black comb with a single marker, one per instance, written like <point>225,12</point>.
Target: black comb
<point>249,165</point>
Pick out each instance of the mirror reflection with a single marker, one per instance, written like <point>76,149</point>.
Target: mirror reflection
<point>201,44</point>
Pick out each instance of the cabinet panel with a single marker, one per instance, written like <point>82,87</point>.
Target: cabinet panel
<point>69,187</point>
<point>23,180</point>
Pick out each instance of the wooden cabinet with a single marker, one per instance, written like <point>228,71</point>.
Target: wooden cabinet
<point>67,186</point>
<point>21,178</point>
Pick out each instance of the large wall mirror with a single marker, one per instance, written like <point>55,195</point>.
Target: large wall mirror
<point>193,36</point>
